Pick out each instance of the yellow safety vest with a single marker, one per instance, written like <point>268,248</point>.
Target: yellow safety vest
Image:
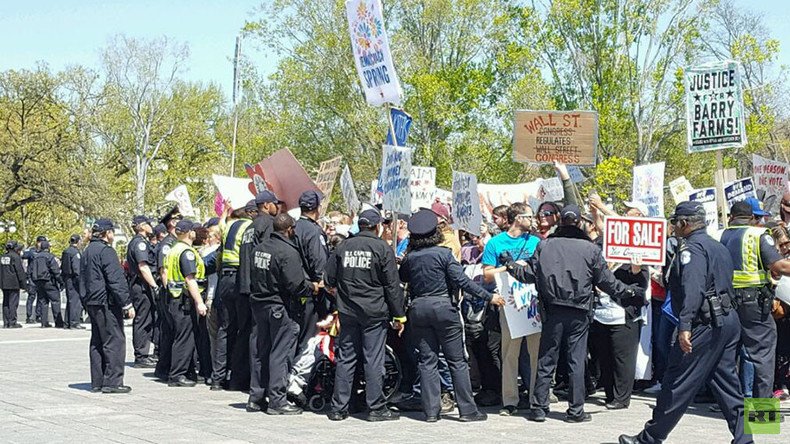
<point>230,256</point>
<point>751,274</point>
<point>176,282</point>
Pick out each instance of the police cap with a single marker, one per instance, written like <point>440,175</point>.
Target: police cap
<point>423,223</point>
<point>310,200</point>
<point>186,225</point>
<point>689,208</point>
<point>102,225</point>
<point>160,229</point>
<point>741,209</point>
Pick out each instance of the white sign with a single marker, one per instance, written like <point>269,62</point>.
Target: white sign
<point>707,196</point>
<point>739,190</point>
<point>649,187</point>
<point>422,185</point>
<point>551,190</point>
<point>371,52</point>
<point>181,196</point>
<point>680,189</point>
<point>771,177</point>
<point>395,176</point>
<point>521,307</point>
<point>466,203</point>
<point>348,190</point>
<point>233,189</point>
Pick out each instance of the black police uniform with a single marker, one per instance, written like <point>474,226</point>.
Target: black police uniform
<point>32,297</point>
<point>368,295</point>
<point>105,296</point>
<point>12,278</point>
<point>46,275</point>
<point>277,284</point>
<point>565,268</point>
<point>70,270</point>
<point>311,240</point>
<point>139,251</point>
<point>754,304</point>
<point>702,266</point>
<point>165,345</point>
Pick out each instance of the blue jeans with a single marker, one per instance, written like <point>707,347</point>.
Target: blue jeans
<point>662,331</point>
<point>746,372</point>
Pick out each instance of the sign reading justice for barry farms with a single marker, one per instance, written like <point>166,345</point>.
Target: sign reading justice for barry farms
<point>570,137</point>
<point>627,237</point>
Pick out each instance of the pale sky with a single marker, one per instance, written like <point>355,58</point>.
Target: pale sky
<point>64,32</point>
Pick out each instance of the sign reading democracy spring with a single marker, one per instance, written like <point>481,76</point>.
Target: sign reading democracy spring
<point>348,190</point>
<point>395,176</point>
<point>570,137</point>
<point>770,177</point>
<point>422,185</point>
<point>629,237</point>
<point>739,190</point>
<point>714,107</point>
<point>325,181</point>
<point>707,197</point>
<point>466,203</point>
<point>648,187</point>
<point>371,51</point>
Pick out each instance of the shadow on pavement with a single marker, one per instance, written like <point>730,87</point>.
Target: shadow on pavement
<point>84,386</point>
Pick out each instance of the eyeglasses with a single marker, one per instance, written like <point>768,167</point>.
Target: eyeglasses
<point>675,220</point>
<point>547,213</point>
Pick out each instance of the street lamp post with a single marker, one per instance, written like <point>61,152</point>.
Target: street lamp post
<point>7,226</point>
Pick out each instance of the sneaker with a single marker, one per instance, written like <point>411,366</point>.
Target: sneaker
<point>383,414</point>
<point>654,390</point>
<point>508,410</point>
<point>476,416</point>
<point>447,403</point>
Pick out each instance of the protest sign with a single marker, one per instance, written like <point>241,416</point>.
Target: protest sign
<point>256,174</point>
<point>371,52</point>
<point>770,177</point>
<point>181,196</point>
<point>627,237</point>
<point>492,196</point>
<point>739,190</point>
<point>570,137</point>
<point>348,190</point>
<point>466,203</point>
<point>680,189</point>
<point>395,176</point>
<point>376,195</point>
<point>707,196</point>
<point>649,187</point>
<point>551,190</point>
<point>402,123</point>
<point>521,307</point>
<point>325,181</point>
<point>283,175</point>
<point>714,107</point>
<point>443,196</point>
<point>233,189</point>
<point>576,174</point>
<point>422,185</point>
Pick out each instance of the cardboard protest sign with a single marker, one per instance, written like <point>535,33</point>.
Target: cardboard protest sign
<point>401,121</point>
<point>576,174</point>
<point>680,189</point>
<point>491,196</point>
<point>770,177</point>
<point>570,137</point>
<point>466,203</point>
<point>707,196</point>
<point>739,190</point>
<point>395,176</point>
<point>626,237</point>
<point>181,196</point>
<point>521,307</point>
<point>371,52</point>
<point>649,187</point>
<point>282,174</point>
<point>422,185</point>
<point>349,192</point>
<point>714,107</point>
<point>233,189</point>
<point>325,181</point>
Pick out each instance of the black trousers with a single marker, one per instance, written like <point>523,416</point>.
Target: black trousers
<point>202,345</point>
<point>10,306</point>
<point>483,347</point>
<point>225,307</point>
<point>143,322</point>
<point>436,325</point>
<point>32,298</point>
<point>712,360</point>
<point>359,342</point>
<point>758,336</point>
<point>49,295</point>
<point>240,359</point>
<point>255,360</point>
<point>73,303</point>
<point>107,347</point>
<point>277,337</point>
<point>183,348</point>
<point>616,347</point>
<point>568,326</point>
<point>165,335</point>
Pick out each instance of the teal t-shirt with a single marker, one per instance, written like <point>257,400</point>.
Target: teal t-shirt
<point>521,248</point>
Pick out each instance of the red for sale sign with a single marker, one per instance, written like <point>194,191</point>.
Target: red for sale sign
<point>629,237</point>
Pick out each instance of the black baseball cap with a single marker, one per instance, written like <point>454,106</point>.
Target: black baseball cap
<point>310,200</point>
<point>137,220</point>
<point>186,225</point>
<point>689,208</point>
<point>41,239</point>
<point>266,196</point>
<point>102,225</point>
<point>11,245</point>
<point>571,212</point>
<point>369,218</point>
<point>74,238</point>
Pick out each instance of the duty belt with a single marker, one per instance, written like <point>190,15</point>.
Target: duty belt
<point>229,271</point>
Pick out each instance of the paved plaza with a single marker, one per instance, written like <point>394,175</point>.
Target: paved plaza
<point>45,397</point>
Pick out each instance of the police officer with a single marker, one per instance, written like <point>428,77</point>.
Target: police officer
<point>277,285</point>
<point>12,278</point>
<point>311,240</point>
<point>700,282</point>
<point>186,279</point>
<point>142,287</point>
<point>755,258</point>
<point>46,275</point>
<point>165,343</point>
<point>70,270</point>
<point>363,272</point>
<point>565,268</point>
<point>224,303</point>
<point>106,297</point>
<point>28,256</point>
<point>434,276</point>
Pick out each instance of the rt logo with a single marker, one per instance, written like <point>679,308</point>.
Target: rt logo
<point>762,416</point>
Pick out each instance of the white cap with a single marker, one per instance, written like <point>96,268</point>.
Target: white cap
<point>637,205</point>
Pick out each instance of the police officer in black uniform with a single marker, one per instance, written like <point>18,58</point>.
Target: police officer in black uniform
<point>565,269</point>
<point>12,278</point>
<point>312,242</point>
<point>363,272</point>
<point>142,287</point>
<point>434,276</point>
<point>106,297</point>
<point>32,298</point>
<point>70,270</point>
<point>46,275</point>
<point>700,283</point>
<point>165,335</point>
<point>277,285</point>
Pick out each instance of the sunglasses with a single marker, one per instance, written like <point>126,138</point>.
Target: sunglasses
<point>547,213</point>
